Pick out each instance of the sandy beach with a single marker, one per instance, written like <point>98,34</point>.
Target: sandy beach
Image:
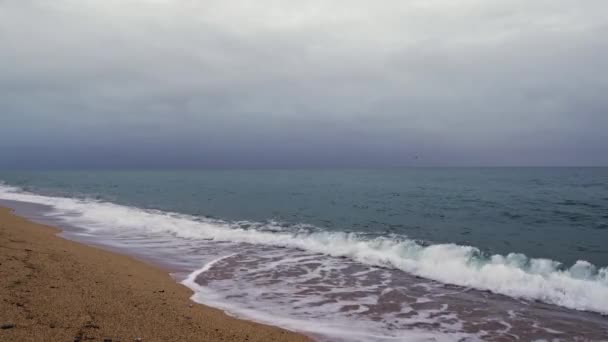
<point>52,289</point>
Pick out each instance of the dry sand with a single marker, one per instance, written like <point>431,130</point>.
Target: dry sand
<point>53,289</point>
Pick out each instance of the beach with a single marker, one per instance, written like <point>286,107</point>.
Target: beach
<point>52,289</point>
<point>137,249</point>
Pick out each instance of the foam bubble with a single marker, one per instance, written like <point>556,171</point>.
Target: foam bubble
<point>241,295</point>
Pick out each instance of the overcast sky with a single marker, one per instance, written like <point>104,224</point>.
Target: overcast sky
<point>318,83</point>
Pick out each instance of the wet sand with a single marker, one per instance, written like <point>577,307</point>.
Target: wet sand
<point>52,289</point>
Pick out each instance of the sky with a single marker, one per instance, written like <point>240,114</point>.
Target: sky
<point>291,83</point>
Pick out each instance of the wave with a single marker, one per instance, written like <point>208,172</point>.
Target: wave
<point>324,330</point>
<point>582,286</point>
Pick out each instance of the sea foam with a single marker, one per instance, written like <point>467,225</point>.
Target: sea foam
<point>582,286</point>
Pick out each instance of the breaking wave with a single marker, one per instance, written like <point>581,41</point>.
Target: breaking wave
<point>582,286</point>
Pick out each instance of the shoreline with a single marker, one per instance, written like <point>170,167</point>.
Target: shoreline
<point>53,288</point>
<point>326,296</point>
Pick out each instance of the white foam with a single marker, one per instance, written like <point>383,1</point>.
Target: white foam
<point>330,327</point>
<point>190,281</point>
<point>581,287</point>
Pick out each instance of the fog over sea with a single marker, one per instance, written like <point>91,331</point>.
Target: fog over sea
<point>429,254</point>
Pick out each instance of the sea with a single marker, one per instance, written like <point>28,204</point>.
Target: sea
<point>413,254</point>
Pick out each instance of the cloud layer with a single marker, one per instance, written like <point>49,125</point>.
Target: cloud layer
<point>303,83</point>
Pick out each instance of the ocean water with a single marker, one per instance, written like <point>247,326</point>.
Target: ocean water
<point>476,254</point>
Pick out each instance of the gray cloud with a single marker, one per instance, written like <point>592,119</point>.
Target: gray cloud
<point>290,83</point>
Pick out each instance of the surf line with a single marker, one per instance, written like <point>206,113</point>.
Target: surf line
<point>190,281</point>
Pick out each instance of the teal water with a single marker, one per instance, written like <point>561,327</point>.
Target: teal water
<point>556,213</point>
<point>477,254</point>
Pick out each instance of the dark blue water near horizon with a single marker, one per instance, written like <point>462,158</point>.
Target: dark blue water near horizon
<point>555,213</point>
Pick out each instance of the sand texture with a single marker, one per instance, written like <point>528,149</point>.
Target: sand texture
<point>52,289</point>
